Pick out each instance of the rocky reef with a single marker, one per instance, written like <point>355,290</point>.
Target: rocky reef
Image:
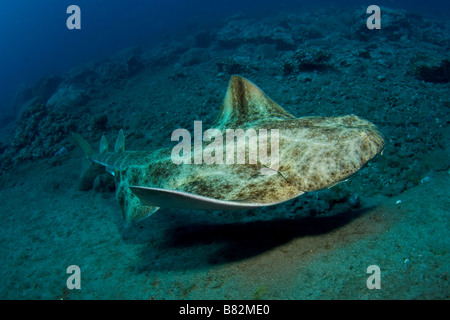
<point>41,133</point>
<point>434,73</point>
<point>306,60</point>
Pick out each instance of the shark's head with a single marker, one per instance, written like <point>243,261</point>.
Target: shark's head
<point>326,151</point>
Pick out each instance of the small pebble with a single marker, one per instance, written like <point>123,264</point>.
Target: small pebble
<point>426,179</point>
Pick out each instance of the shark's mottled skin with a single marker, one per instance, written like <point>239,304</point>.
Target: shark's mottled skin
<point>314,153</point>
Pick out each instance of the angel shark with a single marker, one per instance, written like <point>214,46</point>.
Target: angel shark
<point>313,153</point>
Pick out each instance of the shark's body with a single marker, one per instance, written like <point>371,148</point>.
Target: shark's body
<point>314,153</point>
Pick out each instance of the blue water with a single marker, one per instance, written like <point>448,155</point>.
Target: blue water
<point>34,40</point>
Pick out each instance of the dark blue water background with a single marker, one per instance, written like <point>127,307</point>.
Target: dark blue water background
<point>35,42</point>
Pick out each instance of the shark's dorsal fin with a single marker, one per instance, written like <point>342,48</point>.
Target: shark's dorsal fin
<point>103,145</point>
<point>120,142</point>
<point>245,103</point>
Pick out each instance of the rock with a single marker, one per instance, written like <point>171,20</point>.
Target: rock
<point>381,78</point>
<point>61,152</point>
<point>80,76</point>
<point>306,60</point>
<point>67,98</point>
<point>394,188</point>
<point>98,122</point>
<point>134,64</point>
<point>194,56</point>
<point>305,77</point>
<point>234,65</point>
<point>104,183</point>
<point>266,51</point>
<point>365,54</point>
<point>240,31</point>
<point>36,93</point>
<point>119,67</point>
<point>178,73</point>
<point>46,87</point>
<point>438,160</point>
<point>434,73</point>
<point>40,133</point>
<point>3,147</point>
<point>354,201</point>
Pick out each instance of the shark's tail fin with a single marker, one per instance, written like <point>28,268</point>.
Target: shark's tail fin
<point>90,169</point>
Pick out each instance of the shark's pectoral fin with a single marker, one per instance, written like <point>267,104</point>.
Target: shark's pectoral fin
<point>183,200</point>
<point>133,211</point>
<point>90,169</point>
<point>90,172</point>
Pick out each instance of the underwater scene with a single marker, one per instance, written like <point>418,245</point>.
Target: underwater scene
<point>224,150</point>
